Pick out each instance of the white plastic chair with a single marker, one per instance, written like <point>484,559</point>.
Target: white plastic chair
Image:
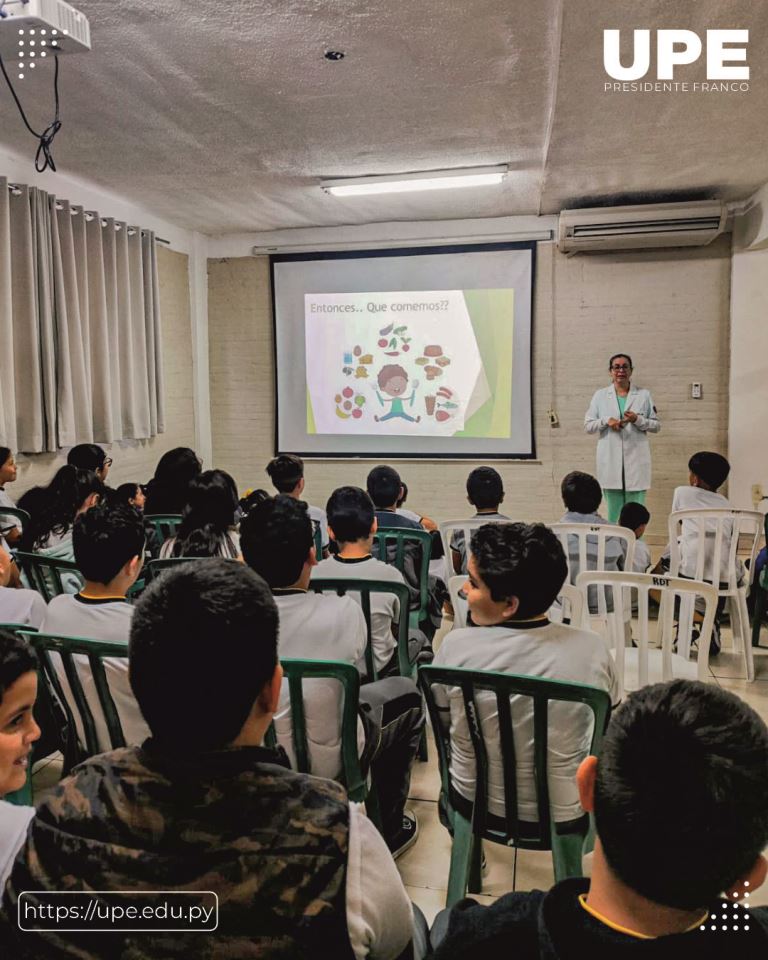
<point>638,666</point>
<point>569,606</point>
<point>465,527</point>
<point>708,551</point>
<point>458,602</point>
<point>589,554</point>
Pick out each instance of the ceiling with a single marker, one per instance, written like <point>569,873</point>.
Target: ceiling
<point>221,117</point>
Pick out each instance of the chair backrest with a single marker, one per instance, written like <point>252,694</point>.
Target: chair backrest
<point>410,551</point>
<point>590,547</point>
<point>569,607</point>
<point>463,530</point>
<point>49,576</point>
<point>361,591</point>
<point>78,705</point>
<point>678,598</point>
<point>154,568</point>
<point>709,543</point>
<point>458,600</point>
<point>164,526</point>
<point>503,687</point>
<point>15,514</point>
<point>296,672</point>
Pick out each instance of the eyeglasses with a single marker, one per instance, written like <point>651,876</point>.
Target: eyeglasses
<point>108,461</point>
<point>621,366</point>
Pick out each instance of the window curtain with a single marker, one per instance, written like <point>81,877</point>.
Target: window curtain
<point>80,334</point>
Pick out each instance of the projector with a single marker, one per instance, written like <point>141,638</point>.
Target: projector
<point>31,30</point>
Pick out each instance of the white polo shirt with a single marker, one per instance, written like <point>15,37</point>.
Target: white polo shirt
<point>22,606</point>
<point>696,498</point>
<point>535,649</point>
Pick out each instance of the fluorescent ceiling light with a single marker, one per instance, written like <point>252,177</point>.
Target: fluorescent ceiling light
<point>411,182</point>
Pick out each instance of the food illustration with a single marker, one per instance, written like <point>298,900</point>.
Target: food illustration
<point>442,404</point>
<point>443,361</point>
<point>357,351</point>
<point>442,415</point>
<point>366,358</point>
<point>433,351</point>
<point>349,404</point>
<point>361,373</point>
<point>433,372</point>
<point>429,403</point>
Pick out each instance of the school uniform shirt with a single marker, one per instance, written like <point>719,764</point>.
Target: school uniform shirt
<point>408,514</point>
<point>22,606</point>
<point>98,619</point>
<point>696,498</point>
<point>318,627</point>
<point>534,648</point>
<point>318,515</point>
<point>385,608</point>
<point>642,560</point>
<point>457,537</point>
<point>388,518</point>
<point>5,501</point>
<point>614,555</point>
<point>14,821</point>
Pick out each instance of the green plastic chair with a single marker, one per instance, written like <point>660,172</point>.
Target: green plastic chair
<point>96,651</point>
<point>49,576</point>
<point>468,835</point>
<point>21,515</point>
<point>397,545</point>
<point>761,593</point>
<point>154,568</point>
<point>364,589</point>
<point>296,672</point>
<point>164,526</point>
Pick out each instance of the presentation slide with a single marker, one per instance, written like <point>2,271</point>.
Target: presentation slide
<point>400,370</point>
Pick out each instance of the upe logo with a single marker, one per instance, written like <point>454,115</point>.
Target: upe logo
<point>675,48</point>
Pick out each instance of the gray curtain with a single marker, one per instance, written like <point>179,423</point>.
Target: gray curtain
<point>80,335</point>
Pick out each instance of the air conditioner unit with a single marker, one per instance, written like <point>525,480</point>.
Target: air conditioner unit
<point>691,224</point>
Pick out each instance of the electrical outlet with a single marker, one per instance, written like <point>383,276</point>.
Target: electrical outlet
<point>696,391</point>
<point>757,492</point>
<point>553,421</point>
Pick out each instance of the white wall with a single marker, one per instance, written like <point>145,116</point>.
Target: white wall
<point>747,430</point>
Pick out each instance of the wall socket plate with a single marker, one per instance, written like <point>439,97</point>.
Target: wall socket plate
<point>696,391</point>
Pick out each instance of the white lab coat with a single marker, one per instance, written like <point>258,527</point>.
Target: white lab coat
<point>624,451</point>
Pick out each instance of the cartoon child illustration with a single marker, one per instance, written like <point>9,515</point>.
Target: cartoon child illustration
<point>392,379</point>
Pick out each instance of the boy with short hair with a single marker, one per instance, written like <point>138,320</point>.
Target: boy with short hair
<point>109,545</point>
<point>297,870</point>
<point>385,489</point>
<point>18,731</point>
<point>17,604</point>
<point>276,539</point>
<point>286,472</point>
<point>515,572</point>
<point>485,491</point>
<point>681,761</point>
<point>635,517</point>
<point>352,524</point>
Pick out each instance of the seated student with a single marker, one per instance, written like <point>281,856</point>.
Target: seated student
<point>10,527</point>
<point>681,762</point>
<point>207,528</point>
<point>287,475</point>
<point>49,532</point>
<point>90,456</point>
<point>18,731</point>
<point>202,805</point>
<point>352,524</point>
<point>18,605</point>
<point>109,552</point>
<point>385,489</point>
<point>277,543</point>
<point>582,495</point>
<point>131,494</point>
<point>167,491</point>
<point>635,517</point>
<point>515,572</point>
<point>485,491</point>
<point>425,522</point>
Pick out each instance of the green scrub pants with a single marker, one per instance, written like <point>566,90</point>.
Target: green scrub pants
<point>615,500</point>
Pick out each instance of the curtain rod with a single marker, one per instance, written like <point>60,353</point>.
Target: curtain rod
<point>89,215</point>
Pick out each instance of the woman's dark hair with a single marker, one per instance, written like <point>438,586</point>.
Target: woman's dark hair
<point>16,658</point>
<point>616,357</point>
<point>5,452</point>
<point>125,493</point>
<point>167,490</point>
<point>86,456</point>
<point>57,504</point>
<point>252,498</point>
<point>208,516</point>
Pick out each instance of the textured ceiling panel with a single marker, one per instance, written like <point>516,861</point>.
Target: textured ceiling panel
<point>222,117</point>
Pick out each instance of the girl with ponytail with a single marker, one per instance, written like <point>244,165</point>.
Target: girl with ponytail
<point>71,492</point>
<point>208,521</point>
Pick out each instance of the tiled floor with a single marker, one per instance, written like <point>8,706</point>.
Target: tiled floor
<point>424,868</point>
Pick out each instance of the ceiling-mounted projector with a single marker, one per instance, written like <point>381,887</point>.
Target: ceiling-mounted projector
<point>31,30</point>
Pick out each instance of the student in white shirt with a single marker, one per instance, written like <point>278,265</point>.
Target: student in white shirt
<point>109,551</point>
<point>207,527</point>
<point>515,572</point>
<point>635,517</point>
<point>485,491</point>
<point>286,472</point>
<point>278,544</point>
<point>18,731</point>
<point>9,526</point>
<point>352,524</point>
<point>18,605</point>
<point>707,471</point>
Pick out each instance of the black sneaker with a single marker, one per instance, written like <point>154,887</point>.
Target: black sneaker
<point>406,836</point>
<point>714,644</point>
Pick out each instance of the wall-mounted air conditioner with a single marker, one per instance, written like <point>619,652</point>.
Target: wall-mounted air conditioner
<point>691,224</point>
